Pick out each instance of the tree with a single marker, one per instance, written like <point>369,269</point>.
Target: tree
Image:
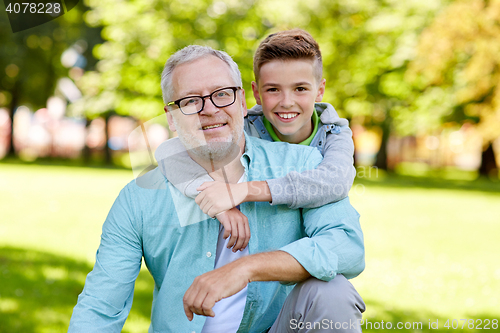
<point>127,76</point>
<point>30,60</point>
<point>366,47</point>
<point>458,60</point>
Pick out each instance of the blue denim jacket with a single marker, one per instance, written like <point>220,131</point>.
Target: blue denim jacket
<point>145,222</point>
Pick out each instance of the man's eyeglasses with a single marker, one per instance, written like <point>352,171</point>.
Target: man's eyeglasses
<point>193,104</point>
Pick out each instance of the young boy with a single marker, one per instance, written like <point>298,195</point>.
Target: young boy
<point>288,87</point>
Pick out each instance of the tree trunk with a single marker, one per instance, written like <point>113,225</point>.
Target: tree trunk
<point>86,150</point>
<point>11,152</point>
<point>488,163</point>
<point>381,160</point>
<point>107,149</point>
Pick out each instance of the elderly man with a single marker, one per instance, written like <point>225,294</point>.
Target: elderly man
<point>200,285</point>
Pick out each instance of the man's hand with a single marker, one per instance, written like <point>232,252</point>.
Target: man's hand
<point>211,287</point>
<point>217,197</point>
<point>235,224</point>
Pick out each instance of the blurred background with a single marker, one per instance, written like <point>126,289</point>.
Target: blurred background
<point>81,114</point>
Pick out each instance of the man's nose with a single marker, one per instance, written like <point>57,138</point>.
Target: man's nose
<point>209,108</point>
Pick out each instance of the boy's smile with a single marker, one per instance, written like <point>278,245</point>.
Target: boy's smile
<point>287,91</point>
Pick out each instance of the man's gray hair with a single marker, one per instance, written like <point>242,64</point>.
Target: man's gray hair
<point>188,54</point>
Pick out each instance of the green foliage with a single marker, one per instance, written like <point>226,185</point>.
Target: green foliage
<point>458,56</point>
<point>403,66</point>
<point>366,47</point>
<point>30,60</point>
<point>141,35</point>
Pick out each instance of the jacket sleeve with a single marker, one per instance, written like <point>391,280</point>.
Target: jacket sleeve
<point>331,181</point>
<point>334,244</point>
<point>106,299</point>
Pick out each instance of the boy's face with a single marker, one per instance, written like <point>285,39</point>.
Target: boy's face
<point>287,90</point>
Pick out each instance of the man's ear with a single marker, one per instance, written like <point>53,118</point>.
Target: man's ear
<point>243,102</point>
<point>170,119</point>
<point>321,90</point>
<point>255,90</point>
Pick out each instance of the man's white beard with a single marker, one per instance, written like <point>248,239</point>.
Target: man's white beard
<point>215,151</point>
<point>212,151</point>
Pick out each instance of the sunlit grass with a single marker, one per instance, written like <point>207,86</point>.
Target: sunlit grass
<point>431,247</point>
<point>431,253</point>
<point>59,210</point>
<point>56,208</point>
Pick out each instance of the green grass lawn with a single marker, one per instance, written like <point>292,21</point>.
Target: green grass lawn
<point>431,247</point>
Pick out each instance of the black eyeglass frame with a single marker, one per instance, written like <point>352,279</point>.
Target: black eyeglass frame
<point>178,102</point>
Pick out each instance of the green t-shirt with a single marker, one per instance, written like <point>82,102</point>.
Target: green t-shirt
<point>306,142</point>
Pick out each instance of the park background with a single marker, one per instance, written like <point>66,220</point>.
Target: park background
<point>80,104</point>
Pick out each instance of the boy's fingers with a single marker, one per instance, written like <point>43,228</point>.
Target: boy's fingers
<point>206,209</point>
<point>205,185</point>
<point>202,203</point>
<point>199,198</point>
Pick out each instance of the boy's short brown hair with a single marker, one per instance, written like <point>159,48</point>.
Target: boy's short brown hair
<point>288,45</point>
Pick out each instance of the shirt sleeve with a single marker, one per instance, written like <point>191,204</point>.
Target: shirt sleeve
<point>334,244</point>
<point>106,299</point>
<point>180,169</point>
<point>331,181</point>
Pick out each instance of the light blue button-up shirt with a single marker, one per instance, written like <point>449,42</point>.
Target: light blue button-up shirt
<point>148,219</point>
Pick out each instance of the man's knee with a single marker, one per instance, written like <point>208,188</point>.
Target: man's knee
<point>338,293</point>
<point>335,303</point>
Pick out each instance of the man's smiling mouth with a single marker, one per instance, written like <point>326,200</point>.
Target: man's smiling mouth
<point>212,126</point>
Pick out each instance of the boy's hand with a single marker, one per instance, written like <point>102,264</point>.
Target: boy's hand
<point>235,224</point>
<point>217,197</point>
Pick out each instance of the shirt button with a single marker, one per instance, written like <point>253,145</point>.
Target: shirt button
<point>209,254</point>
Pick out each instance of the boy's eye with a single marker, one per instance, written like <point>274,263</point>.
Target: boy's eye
<point>272,89</point>
<point>301,89</point>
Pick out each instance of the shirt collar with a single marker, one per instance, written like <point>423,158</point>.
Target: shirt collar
<point>247,156</point>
